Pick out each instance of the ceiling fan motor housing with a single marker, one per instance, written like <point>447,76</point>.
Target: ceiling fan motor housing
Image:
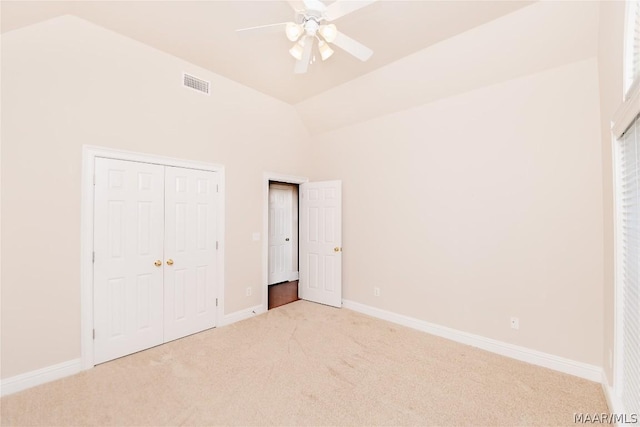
<point>311,25</point>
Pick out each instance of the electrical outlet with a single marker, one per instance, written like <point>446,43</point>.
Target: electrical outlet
<point>376,291</point>
<point>515,323</point>
<point>249,291</point>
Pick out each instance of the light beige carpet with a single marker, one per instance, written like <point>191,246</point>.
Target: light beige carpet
<point>307,364</point>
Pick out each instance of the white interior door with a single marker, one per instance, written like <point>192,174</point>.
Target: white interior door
<point>321,242</point>
<point>190,246</point>
<point>128,249</point>
<point>280,233</point>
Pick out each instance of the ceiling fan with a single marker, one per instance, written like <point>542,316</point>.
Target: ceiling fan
<point>312,23</point>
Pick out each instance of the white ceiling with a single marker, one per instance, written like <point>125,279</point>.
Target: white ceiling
<point>203,33</point>
<point>540,37</point>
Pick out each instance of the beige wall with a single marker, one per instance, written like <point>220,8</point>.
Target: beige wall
<point>480,207</point>
<point>610,63</point>
<point>483,203</point>
<point>66,83</point>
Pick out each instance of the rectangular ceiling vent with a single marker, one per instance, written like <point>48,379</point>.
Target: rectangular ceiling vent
<point>195,83</point>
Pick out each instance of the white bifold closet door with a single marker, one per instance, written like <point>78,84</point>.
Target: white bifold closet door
<point>154,255</point>
<point>190,246</point>
<point>128,240</point>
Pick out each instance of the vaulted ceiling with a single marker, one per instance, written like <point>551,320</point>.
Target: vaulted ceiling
<point>203,33</point>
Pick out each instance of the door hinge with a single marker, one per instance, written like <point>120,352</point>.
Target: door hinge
<point>93,257</point>
<point>216,245</point>
<point>94,179</point>
<point>217,188</point>
<point>94,334</point>
<point>216,302</point>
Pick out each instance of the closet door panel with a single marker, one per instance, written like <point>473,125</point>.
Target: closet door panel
<point>190,251</point>
<point>128,245</point>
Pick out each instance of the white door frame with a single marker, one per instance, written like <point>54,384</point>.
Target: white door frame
<point>89,153</point>
<point>266,178</point>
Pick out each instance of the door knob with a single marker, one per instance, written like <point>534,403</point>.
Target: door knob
<point>169,262</point>
<point>158,263</point>
<point>337,249</point>
<point>286,240</point>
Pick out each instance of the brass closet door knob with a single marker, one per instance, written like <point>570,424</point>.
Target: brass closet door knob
<point>158,263</point>
<point>169,262</point>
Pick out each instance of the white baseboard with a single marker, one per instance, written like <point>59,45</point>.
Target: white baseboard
<point>242,314</point>
<point>568,366</point>
<point>613,402</point>
<point>65,369</point>
<point>39,376</point>
<point>557,363</point>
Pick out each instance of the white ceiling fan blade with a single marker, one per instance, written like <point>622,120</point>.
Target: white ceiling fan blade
<point>353,47</point>
<point>263,29</point>
<point>302,64</point>
<point>339,8</point>
<point>296,5</point>
<point>314,5</point>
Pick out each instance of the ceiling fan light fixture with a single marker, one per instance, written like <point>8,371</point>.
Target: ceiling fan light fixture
<point>328,32</point>
<point>325,50</point>
<point>297,49</point>
<point>293,31</point>
<point>311,23</point>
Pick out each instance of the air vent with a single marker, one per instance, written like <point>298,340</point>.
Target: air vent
<point>195,83</point>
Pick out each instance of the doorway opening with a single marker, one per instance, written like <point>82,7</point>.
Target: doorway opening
<point>282,242</point>
<point>319,239</point>
<point>269,178</point>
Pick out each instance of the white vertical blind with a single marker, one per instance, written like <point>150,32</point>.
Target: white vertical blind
<point>629,282</point>
<point>626,127</point>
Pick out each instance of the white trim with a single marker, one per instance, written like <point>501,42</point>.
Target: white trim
<point>557,363</point>
<point>266,177</point>
<point>625,114</point>
<point>613,402</point>
<point>242,315</point>
<point>39,376</point>
<point>617,267</point>
<point>89,154</point>
<point>629,84</point>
